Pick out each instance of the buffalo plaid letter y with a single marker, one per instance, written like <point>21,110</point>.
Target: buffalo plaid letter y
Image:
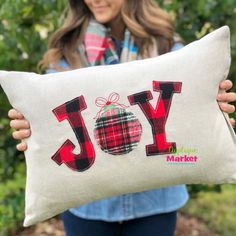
<point>157,117</point>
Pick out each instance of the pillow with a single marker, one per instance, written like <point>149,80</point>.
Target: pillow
<point>110,130</point>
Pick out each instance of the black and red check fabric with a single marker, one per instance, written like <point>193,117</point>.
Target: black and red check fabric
<point>157,116</point>
<point>117,131</point>
<point>71,111</point>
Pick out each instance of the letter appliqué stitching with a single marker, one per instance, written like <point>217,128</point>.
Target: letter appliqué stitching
<point>72,112</point>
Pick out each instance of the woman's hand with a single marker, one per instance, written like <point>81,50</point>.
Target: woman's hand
<point>22,127</point>
<point>223,98</point>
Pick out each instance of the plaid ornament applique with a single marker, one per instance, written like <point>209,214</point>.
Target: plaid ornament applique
<point>117,131</point>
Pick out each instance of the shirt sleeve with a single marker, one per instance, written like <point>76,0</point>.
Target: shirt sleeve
<point>177,46</point>
<point>62,63</point>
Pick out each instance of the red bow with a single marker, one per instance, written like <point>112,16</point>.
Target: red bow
<point>103,102</point>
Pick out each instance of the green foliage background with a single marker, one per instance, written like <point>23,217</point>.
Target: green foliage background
<point>25,26</point>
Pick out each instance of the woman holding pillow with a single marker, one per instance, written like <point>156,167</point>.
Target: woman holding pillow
<point>104,32</point>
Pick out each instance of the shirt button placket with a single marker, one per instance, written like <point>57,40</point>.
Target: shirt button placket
<point>127,205</point>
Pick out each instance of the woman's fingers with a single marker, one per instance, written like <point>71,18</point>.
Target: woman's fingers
<point>226,107</point>
<point>14,114</point>
<point>22,127</point>
<point>21,134</point>
<point>226,84</point>
<point>226,97</point>
<point>232,121</point>
<point>20,124</point>
<point>21,146</point>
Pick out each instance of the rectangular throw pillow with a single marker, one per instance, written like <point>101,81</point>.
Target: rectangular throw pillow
<point>110,130</point>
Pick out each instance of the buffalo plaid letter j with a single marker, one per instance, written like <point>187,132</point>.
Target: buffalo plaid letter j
<point>72,112</point>
<point>157,117</point>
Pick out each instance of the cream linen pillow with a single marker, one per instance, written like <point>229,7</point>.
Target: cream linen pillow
<point>110,130</point>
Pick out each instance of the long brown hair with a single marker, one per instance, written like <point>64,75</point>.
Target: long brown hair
<point>144,19</point>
